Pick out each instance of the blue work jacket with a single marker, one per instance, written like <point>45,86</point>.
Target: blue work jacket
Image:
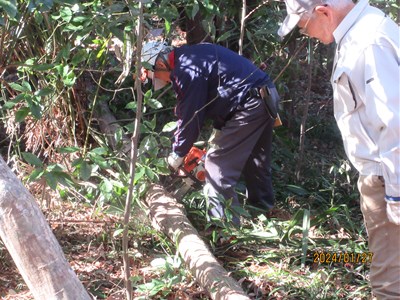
<point>210,81</point>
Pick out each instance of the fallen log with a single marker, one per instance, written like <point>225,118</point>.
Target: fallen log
<point>169,217</point>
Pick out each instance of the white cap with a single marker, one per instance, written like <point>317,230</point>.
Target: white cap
<point>295,9</point>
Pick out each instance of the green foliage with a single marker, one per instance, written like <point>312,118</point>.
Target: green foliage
<point>172,274</point>
<point>52,52</point>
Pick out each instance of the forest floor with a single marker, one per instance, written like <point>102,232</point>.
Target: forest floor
<point>86,237</point>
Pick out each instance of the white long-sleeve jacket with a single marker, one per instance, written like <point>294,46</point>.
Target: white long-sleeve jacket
<point>366,85</point>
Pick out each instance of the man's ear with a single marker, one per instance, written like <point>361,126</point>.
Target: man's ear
<point>323,9</point>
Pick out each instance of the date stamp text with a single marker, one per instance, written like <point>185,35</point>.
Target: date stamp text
<point>342,257</point>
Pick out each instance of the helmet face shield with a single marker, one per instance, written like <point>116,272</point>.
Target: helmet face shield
<point>156,82</point>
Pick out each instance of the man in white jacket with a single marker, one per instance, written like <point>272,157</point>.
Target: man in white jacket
<point>365,80</point>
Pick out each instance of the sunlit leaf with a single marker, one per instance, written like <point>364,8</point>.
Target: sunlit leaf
<point>170,126</point>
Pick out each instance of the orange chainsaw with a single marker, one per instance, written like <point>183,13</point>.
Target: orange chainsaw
<point>190,175</point>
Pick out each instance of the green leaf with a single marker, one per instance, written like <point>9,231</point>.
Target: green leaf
<point>151,288</point>
<point>73,28</point>
<point>170,126</point>
<point>165,141</point>
<point>154,103</point>
<point>148,145</point>
<point>167,26</point>
<point>32,159</point>
<point>10,7</point>
<point>98,151</point>
<point>297,190</point>
<point>140,171</point>
<point>63,178</point>
<point>224,36</point>
<point>69,78</point>
<point>21,114</point>
<point>25,87</point>
<point>36,110</point>
<point>9,104</point>
<point>150,125</point>
<point>44,92</point>
<point>131,105</point>
<point>195,10</point>
<point>86,170</point>
<point>55,168</point>
<point>150,174</point>
<point>68,149</point>
<point>51,181</point>
<point>79,57</point>
<point>37,173</point>
<point>43,67</point>
<point>106,186</point>
<point>147,66</point>
<point>66,14</point>
<point>77,162</point>
<point>100,161</point>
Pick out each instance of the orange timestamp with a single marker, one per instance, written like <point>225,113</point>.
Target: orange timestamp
<point>342,257</point>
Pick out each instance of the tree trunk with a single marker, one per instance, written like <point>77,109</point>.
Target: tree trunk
<point>109,126</point>
<point>32,245</point>
<point>168,216</point>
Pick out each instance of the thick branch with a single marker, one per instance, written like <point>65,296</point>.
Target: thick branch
<point>168,216</point>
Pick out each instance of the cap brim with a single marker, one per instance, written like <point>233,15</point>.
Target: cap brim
<point>288,24</point>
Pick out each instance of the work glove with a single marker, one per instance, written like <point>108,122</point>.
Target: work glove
<point>393,210</point>
<point>174,160</point>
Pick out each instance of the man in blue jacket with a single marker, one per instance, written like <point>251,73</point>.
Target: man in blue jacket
<point>213,82</point>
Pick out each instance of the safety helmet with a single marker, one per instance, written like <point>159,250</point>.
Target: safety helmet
<point>151,50</point>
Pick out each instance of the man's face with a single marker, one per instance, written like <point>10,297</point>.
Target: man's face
<point>159,77</point>
<point>319,25</point>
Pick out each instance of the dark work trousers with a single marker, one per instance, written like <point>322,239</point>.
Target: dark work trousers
<point>242,146</point>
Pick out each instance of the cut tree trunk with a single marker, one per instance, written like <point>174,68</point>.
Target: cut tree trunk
<point>169,217</point>
<point>32,245</point>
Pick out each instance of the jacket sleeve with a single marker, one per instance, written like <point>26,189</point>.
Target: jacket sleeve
<point>191,90</point>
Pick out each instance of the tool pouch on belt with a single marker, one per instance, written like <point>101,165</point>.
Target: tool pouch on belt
<point>271,98</point>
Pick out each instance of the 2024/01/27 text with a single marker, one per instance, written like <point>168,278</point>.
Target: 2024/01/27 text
<point>342,257</point>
